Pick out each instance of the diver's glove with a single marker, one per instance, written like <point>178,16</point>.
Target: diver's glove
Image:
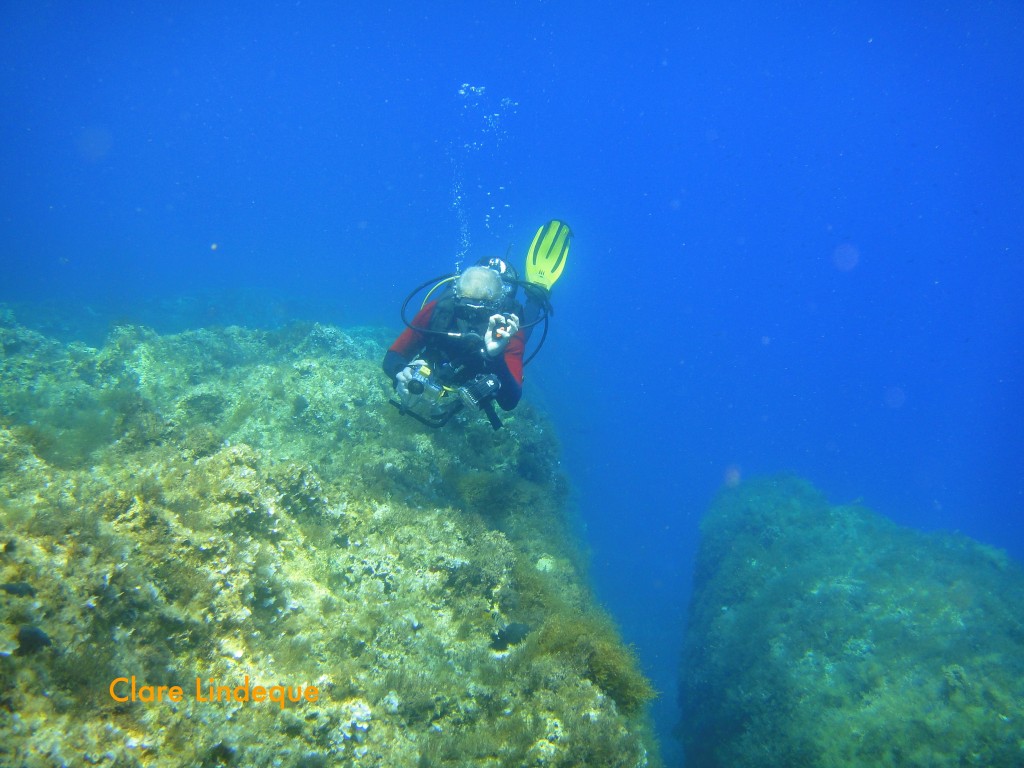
<point>404,376</point>
<point>500,329</point>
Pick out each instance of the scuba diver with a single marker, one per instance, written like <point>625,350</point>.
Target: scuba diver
<point>466,347</point>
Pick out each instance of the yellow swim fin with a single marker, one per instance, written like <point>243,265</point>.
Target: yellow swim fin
<point>546,257</point>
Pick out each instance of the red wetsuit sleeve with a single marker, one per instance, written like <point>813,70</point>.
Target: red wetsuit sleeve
<point>409,342</point>
<point>514,357</point>
<point>512,382</point>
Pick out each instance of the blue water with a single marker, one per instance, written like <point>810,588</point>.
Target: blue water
<point>798,231</point>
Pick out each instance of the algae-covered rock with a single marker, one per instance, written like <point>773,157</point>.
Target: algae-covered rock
<point>828,636</point>
<point>191,523</point>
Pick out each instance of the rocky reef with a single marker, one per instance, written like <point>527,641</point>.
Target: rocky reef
<point>223,547</point>
<point>827,636</point>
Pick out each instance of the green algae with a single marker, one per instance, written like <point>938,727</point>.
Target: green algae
<point>231,503</point>
<point>828,636</point>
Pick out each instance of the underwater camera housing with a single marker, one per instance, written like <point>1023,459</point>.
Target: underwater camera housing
<point>427,400</point>
<point>433,404</point>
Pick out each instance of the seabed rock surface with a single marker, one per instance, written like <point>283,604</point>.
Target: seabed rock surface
<point>828,636</point>
<point>243,508</point>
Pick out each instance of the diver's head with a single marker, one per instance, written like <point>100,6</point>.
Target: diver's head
<point>479,288</point>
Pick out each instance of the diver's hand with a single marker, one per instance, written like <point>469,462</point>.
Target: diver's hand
<point>404,376</point>
<point>500,328</point>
